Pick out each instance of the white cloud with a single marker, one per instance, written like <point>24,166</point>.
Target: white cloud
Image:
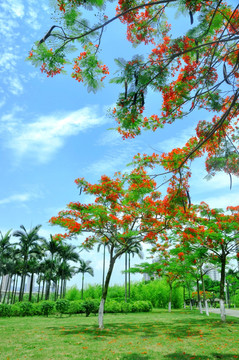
<point>223,201</point>
<point>115,160</point>
<point>44,136</point>
<point>17,18</point>
<point>15,85</point>
<point>176,141</point>
<point>18,198</point>
<point>111,137</point>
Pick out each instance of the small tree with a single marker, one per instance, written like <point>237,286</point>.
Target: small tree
<point>217,233</point>
<point>127,210</point>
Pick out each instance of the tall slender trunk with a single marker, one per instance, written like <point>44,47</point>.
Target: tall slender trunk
<point>9,290</point>
<point>125,278</point>
<point>170,297</point>
<point>189,295</point>
<point>39,288</point>
<point>184,296</point>
<point>129,277</point>
<point>64,288</point>
<point>222,286</point>
<point>15,292</point>
<point>82,286</point>
<point>104,295</point>
<point>61,291</point>
<point>31,287</point>
<point>43,288</point>
<point>6,289</point>
<point>47,292</point>
<point>204,294</point>
<point>13,288</point>
<point>56,289</point>
<point>199,297</point>
<point>1,288</point>
<point>103,275</point>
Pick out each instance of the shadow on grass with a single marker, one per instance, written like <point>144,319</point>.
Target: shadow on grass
<point>179,328</point>
<point>186,356</point>
<point>135,356</point>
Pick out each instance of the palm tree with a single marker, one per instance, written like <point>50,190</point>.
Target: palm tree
<point>5,251</point>
<point>85,268</point>
<point>28,246</point>
<point>67,253</point>
<point>137,249</point>
<point>53,248</point>
<point>132,248</point>
<point>104,243</point>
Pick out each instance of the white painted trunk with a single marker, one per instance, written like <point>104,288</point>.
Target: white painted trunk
<point>222,310</point>
<point>200,306</point>
<point>101,314</point>
<point>191,307</point>
<point>206,308</point>
<point>169,306</point>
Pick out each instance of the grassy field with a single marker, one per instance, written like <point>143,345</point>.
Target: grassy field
<point>181,335</point>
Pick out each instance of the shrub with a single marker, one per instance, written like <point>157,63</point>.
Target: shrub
<point>5,310</point>
<point>47,307</point>
<point>126,307</point>
<point>16,309</point>
<point>73,294</point>
<point>93,292</point>
<point>62,306</point>
<point>26,309</point>
<point>36,309</point>
<point>90,306</point>
<point>112,306</point>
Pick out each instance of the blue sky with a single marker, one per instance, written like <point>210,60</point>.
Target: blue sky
<point>53,131</point>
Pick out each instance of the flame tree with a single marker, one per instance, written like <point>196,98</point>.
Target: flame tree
<point>189,72</point>
<point>217,233</point>
<point>127,210</point>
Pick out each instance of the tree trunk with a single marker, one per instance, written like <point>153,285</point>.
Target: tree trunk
<point>199,298</point>
<point>203,289</point>
<point>31,287</point>
<point>104,295</point>
<point>6,289</point>
<point>43,288</point>
<point>82,286</point>
<point>47,292</point>
<point>13,288</point>
<point>206,308</point>
<point>56,289</point>
<point>125,278</point>
<point>39,287</point>
<point>170,298</point>
<point>9,290</point>
<point>103,275</point>
<point>222,285</point>
<point>129,277</point>
<point>15,292</point>
<point>222,310</point>
<point>184,302</point>
<point>1,288</point>
<point>22,285</point>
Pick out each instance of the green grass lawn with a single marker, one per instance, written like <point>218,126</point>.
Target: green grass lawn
<point>158,335</point>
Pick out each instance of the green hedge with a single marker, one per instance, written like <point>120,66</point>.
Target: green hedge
<point>112,306</point>
<point>63,306</point>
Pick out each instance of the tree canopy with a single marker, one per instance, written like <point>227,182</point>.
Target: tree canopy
<point>189,71</point>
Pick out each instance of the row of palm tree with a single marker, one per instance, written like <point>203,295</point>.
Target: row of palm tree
<point>33,256</point>
<point>48,261</point>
